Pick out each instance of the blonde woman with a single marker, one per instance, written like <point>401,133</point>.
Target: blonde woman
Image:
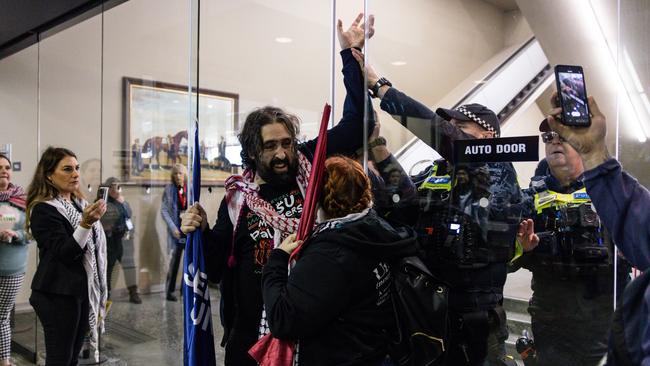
<point>174,202</point>
<point>69,286</point>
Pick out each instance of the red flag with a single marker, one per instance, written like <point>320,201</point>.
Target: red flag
<point>270,351</point>
<point>315,179</point>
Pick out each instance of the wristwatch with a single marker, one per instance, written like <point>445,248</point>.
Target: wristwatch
<point>381,82</point>
<point>377,142</point>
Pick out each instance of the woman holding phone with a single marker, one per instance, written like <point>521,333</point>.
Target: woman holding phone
<point>69,286</point>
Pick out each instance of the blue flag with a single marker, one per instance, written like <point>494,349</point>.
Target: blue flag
<point>199,339</point>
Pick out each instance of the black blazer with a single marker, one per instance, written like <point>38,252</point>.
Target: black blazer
<point>60,267</point>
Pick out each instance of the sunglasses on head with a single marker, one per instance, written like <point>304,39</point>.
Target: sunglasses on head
<point>550,135</point>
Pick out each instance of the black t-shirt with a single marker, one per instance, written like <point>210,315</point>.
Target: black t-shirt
<point>254,244</point>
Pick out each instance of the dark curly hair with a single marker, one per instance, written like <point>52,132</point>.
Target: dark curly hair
<point>250,136</point>
<point>346,187</point>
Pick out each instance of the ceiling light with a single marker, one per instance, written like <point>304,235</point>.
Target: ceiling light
<point>632,71</point>
<point>398,63</point>
<point>591,23</point>
<point>283,39</point>
<point>646,102</point>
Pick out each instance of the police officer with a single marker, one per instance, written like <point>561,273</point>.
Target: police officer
<point>572,266</point>
<point>468,219</point>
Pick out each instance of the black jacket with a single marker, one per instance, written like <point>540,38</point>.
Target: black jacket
<point>336,300</point>
<point>60,265</point>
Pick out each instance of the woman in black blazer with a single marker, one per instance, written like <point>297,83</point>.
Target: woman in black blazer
<point>69,287</point>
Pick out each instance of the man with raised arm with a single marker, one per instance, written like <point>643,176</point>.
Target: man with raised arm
<point>263,206</point>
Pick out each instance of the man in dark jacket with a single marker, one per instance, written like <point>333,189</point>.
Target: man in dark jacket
<point>622,204</point>
<point>489,212</point>
<point>264,206</point>
<point>118,228</point>
<point>573,265</point>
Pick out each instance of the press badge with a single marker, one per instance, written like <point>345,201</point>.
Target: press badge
<point>129,224</point>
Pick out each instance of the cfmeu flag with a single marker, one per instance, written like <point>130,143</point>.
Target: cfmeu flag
<point>199,339</point>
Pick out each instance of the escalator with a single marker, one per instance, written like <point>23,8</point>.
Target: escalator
<point>508,87</point>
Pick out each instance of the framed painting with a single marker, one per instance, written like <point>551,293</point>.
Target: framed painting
<point>156,136</point>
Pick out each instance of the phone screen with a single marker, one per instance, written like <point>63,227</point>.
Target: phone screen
<point>102,193</point>
<point>572,94</point>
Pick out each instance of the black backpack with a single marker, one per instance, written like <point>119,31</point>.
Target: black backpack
<point>629,322</point>
<point>420,304</point>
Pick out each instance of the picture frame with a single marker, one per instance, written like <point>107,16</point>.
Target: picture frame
<point>155,132</point>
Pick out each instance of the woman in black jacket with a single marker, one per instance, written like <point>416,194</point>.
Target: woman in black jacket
<point>336,300</point>
<point>69,286</point>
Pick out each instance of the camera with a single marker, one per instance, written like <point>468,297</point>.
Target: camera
<point>572,95</point>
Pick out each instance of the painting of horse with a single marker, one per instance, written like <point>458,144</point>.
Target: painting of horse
<point>156,128</point>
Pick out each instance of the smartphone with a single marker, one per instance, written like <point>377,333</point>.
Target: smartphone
<point>572,95</point>
<point>102,193</point>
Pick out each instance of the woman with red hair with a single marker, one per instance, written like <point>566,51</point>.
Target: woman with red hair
<point>336,300</point>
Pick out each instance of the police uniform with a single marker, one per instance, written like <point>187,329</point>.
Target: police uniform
<point>573,275</point>
<point>468,246</point>
<point>468,235</point>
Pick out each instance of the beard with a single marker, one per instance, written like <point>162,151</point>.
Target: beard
<point>267,173</point>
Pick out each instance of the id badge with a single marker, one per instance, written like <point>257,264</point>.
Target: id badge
<point>129,224</point>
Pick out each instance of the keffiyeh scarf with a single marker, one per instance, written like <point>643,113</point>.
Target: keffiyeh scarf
<point>241,190</point>
<point>15,195</point>
<point>94,262</point>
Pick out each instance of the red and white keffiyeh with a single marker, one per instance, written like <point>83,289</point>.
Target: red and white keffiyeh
<point>241,190</point>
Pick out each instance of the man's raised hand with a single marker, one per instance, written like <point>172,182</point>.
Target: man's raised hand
<point>354,36</point>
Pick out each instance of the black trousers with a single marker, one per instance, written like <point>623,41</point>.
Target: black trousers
<point>468,339</point>
<point>65,324</point>
<point>174,263</point>
<point>114,251</point>
<point>237,348</point>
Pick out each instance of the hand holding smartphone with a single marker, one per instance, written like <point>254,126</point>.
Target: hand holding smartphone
<point>572,95</point>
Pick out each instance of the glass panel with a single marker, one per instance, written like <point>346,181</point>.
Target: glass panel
<point>144,142</point>
<point>19,118</point>
<point>280,54</point>
<point>633,130</point>
<point>467,214</point>
<point>632,133</point>
<point>69,109</point>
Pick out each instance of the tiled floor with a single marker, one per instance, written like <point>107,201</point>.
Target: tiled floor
<point>147,334</point>
<point>151,333</point>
